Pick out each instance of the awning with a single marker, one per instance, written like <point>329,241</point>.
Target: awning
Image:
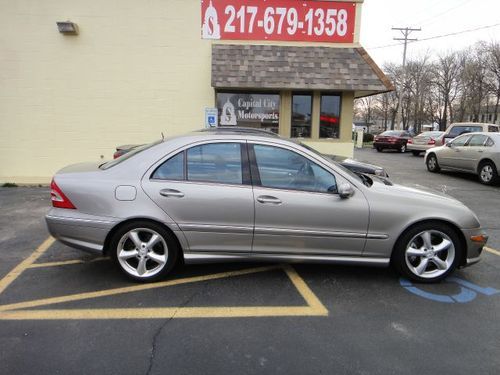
<point>236,66</point>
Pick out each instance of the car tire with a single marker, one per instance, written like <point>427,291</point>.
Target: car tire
<point>144,251</point>
<point>402,148</point>
<point>487,172</point>
<point>379,149</point>
<point>415,153</point>
<point>432,164</point>
<point>427,252</point>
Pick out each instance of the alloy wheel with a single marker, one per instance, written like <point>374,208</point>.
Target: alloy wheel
<point>142,252</point>
<point>430,254</point>
<point>486,173</point>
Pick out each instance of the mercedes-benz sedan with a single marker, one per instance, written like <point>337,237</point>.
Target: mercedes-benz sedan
<point>230,195</point>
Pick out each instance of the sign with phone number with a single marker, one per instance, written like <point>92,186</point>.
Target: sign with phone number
<point>287,20</point>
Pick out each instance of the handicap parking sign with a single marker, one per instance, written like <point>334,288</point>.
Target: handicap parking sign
<point>211,115</point>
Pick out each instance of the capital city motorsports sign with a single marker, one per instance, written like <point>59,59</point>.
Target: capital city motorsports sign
<point>288,20</point>
<point>248,109</point>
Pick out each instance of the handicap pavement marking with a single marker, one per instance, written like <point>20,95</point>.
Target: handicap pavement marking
<point>468,291</point>
<point>24,311</point>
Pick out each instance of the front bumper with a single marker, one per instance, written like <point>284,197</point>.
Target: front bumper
<point>474,248</point>
<point>417,147</point>
<point>81,231</point>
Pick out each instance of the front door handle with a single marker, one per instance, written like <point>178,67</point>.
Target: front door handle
<point>268,199</point>
<point>171,193</point>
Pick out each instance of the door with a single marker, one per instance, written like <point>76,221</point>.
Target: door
<point>207,191</point>
<point>297,210</point>
<point>474,151</point>
<point>454,155</point>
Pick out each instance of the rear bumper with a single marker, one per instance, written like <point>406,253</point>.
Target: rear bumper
<point>387,145</point>
<point>474,249</point>
<point>81,231</point>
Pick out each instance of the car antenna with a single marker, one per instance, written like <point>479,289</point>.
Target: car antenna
<point>162,136</point>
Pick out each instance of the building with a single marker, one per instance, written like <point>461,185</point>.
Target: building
<point>111,73</point>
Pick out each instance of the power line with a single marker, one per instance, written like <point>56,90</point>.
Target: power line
<point>425,22</point>
<point>437,36</point>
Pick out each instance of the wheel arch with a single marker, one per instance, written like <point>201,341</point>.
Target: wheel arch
<point>483,161</point>
<point>449,223</point>
<point>113,230</point>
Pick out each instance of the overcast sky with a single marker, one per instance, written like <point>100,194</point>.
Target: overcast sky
<point>435,17</point>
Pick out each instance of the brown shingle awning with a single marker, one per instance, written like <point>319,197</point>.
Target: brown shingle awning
<point>237,66</point>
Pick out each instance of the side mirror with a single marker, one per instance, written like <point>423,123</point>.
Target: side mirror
<point>345,190</point>
<point>449,144</point>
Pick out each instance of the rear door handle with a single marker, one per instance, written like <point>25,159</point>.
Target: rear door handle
<point>268,199</point>
<point>171,193</point>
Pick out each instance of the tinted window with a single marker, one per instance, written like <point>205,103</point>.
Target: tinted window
<point>489,142</point>
<point>215,162</point>
<point>457,130</point>
<point>284,169</point>
<point>172,169</point>
<point>460,141</point>
<point>477,140</point>
<point>493,129</point>
<point>128,155</point>
<point>301,116</point>
<point>391,133</point>
<point>329,120</point>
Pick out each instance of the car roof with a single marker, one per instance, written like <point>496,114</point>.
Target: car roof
<point>488,134</point>
<point>238,130</point>
<point>472,124</point>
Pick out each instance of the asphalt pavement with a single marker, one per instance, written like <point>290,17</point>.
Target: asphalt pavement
<point>66,312</point>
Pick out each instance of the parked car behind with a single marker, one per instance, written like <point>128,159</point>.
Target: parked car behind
<point>477,153</point>
<point>391,139</point>
<point>232,196</point>
<point>425,141</point>
<point>459,128</point>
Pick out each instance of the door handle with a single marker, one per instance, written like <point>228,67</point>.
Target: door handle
<point>171,193</point>
<point>268,199</point>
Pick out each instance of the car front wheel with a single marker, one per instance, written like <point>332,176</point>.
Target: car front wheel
<point>144,251</point>
<point>427,252</point>
<point>432,164</point>
<point>488,174</point>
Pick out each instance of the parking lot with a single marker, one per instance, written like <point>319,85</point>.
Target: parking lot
<point>64,311</point>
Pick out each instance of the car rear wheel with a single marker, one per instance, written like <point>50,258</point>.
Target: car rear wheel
<point>144,251</point>
<point>427,252</point>
<point>402,148</point>
<point>379,149</point>
<point>488,174</point>
<point>432,164</point>
<point>415,153</point>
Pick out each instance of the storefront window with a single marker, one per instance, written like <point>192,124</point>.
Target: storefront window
<point>301,115</point>
<point>329,120</point>
<point>247,109</point>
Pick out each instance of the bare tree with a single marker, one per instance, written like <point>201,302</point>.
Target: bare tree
<point>446,74</point>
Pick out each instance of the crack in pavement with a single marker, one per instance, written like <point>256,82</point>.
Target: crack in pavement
<point>160,329</point>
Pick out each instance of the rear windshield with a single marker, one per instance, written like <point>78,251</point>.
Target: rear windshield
<point>128,155</point>
<point>463,129</point>
<point>392,133</point>
<point>493,129</point>
<point>431,134</point>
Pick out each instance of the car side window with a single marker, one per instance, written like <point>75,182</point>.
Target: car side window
<point>477,140</point>
<point>493,129</point>
<point>284,169</point>
<point>460,141</point>
<point>215,162</point>
<point>172,169</point>
<point>489,142</point>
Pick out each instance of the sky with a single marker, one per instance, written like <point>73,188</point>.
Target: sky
<point>435,17</point>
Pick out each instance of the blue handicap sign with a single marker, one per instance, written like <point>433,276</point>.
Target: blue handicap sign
<point>468,291</point>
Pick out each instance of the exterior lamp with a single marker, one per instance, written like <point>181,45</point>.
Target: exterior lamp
<point>67,28</point>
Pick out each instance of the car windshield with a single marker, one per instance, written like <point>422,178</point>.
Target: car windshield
<point>330,160</point>
<point>128,155</point>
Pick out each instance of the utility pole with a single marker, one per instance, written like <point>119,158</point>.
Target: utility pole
<point>406,31</point>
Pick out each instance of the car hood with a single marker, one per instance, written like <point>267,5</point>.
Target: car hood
<point>359,163</point>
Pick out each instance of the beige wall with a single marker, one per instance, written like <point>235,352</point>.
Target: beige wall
<point>135,70</point>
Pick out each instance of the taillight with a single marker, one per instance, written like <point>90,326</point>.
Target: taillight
<point>58,198</point>
<point>432,141</point>
<point>410,141</point>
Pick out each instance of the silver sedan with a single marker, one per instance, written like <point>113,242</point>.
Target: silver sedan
<point>233,195</point>
<point>477,153</point>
